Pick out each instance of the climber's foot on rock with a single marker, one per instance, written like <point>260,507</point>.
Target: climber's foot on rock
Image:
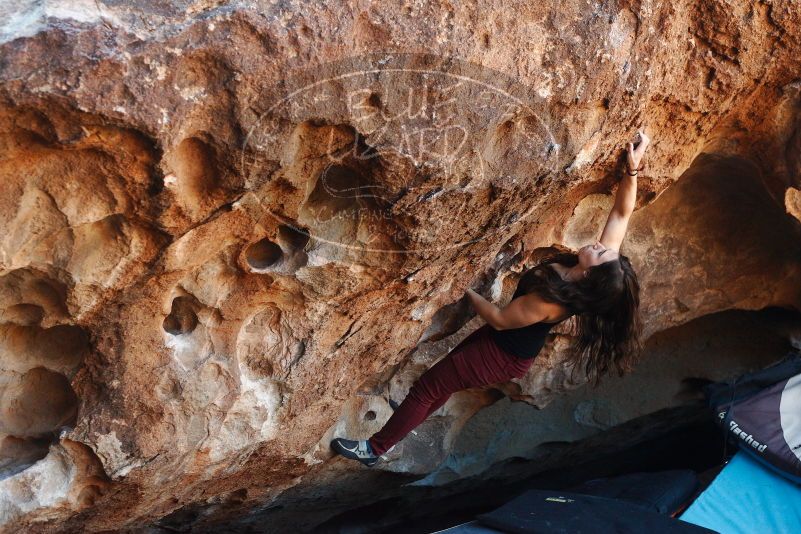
<point>355,450</point>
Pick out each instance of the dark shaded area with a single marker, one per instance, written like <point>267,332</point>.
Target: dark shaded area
<point>696,445</point>
<point>295,238</point>
<point>263,254</point>
<point>182,318</point>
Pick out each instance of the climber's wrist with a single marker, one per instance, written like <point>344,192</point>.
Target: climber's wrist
<point>633,173</point>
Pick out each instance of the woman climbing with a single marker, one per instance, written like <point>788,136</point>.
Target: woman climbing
<point>597,285</point>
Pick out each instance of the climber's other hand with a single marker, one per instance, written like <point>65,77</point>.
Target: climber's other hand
<point>634,154</point>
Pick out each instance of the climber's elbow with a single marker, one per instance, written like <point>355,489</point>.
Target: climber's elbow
<point>494,318</point>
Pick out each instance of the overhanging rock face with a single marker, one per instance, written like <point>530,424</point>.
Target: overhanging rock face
<point>232,231</point>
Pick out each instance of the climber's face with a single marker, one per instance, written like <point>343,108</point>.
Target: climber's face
<point>595,254</point>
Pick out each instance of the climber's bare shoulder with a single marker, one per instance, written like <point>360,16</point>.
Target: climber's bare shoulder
<point>557,313</point>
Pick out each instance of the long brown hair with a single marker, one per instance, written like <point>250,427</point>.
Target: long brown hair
<point>605,305</point>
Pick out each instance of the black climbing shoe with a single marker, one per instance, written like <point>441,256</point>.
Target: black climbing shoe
<point>355,450</point>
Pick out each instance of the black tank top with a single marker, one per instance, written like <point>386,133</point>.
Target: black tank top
<point>526,341</point>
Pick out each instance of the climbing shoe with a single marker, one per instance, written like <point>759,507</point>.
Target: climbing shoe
<point>355,450</point>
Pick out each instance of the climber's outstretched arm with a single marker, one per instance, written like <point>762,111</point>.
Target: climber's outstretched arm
<point>618,220</point>
<point>522,311</point>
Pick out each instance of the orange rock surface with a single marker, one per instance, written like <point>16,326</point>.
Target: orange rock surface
<point>233,231</point>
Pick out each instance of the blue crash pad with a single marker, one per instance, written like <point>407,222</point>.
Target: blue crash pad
<point>747,498</point>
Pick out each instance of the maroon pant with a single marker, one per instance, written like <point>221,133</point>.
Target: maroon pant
<point>476,361</point>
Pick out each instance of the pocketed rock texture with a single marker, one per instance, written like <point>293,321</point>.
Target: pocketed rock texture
<point>233,231</point>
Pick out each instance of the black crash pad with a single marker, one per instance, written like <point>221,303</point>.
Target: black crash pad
<point>551,512</point>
